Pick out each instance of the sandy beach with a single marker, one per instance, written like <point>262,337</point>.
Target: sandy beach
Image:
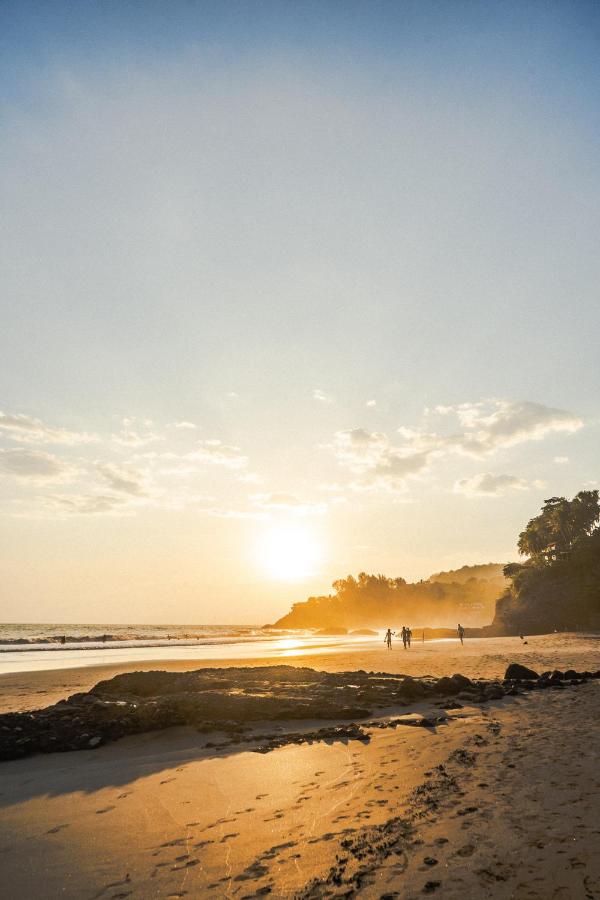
<point>498,800</point>
<point>479,658</point>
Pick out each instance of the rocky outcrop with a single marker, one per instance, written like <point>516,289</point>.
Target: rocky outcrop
<point>230,700</point>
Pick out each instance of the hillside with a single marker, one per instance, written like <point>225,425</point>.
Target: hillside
<point>376,601</point>
<point>460,576</point>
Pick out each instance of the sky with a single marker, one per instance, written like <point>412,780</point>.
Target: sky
<point>288,291</point>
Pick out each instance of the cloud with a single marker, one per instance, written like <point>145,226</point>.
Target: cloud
<point>284,502</point>
<point>28,430</point>
<point>188,425</point>
<point>218,454</point>
<point>380,465</point>
<point>321,396</point>
<point>123,481</point>
<point>133,434</point>
<point>487,485</point>
<point>486,427</point>
<point>33,465</point>
<point>561,460</point>
<point>84,504</point>
<point>371,403</point>
<point>491,425</point>
<point>217,513</point>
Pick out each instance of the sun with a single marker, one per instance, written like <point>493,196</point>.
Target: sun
<point>288,552</point>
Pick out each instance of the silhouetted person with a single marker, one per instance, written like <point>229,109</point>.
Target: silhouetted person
<point>388,638</point>
<point>408,637</point>
<point>461,633</point>
<point>404,635</point>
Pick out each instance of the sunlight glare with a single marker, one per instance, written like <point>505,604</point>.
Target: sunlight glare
<point>289,552</point>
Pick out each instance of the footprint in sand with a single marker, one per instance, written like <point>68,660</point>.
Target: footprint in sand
<point>104,810</point>
<point>57,828</point>
<point>186,865</point>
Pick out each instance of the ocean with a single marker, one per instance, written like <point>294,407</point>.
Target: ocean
<point>26,647</point>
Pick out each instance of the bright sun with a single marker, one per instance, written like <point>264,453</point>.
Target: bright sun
<point>288,552</point>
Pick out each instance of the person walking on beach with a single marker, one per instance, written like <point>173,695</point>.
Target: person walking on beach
<point>388,638</point>
<point>404,637</point>
<point>408,637</point>
<point>461,633</point>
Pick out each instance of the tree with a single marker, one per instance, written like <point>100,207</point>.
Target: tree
<point>560,526</point>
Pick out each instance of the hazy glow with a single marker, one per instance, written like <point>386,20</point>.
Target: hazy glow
<point>284,287</point>
<point>289,552</point>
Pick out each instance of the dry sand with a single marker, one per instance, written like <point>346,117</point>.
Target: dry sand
<point>512,814</point>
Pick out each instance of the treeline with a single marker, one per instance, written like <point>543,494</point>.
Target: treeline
<point>558,586</point>
<point>378,601</point>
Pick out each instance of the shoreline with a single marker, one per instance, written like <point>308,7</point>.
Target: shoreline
<point>478,658</point>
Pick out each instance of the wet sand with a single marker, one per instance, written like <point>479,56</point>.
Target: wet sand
<point>512,812</point>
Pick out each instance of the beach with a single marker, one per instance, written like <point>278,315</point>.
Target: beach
<point>494,798</point>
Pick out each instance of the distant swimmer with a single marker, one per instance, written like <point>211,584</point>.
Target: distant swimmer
<point>388,638</point>
<point>461,633</point>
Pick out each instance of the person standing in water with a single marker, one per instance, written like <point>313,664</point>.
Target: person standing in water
<point>388,638</point>
<point>461,633</point>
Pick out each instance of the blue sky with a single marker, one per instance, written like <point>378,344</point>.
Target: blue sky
<point>354,245</point>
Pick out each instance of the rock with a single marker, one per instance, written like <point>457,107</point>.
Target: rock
<point>446,685</point>
<point>517,672</point>
<point>494,692</point>
<point>462,682</point>
<point>95,741</point>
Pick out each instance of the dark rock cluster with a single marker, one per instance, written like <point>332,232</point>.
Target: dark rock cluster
<point>229,700</point>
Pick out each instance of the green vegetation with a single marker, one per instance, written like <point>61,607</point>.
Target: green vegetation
<point>558,587</point>
<point>378,601</point>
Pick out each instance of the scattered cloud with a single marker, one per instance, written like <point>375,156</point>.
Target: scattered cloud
<point>84,504</point>
<point>136,434</point>
<point>484,428</point>
<point>28,430</point>
<point>249,478</point>
<point>216,453</point>
<point>379,464</point>
<point>490,425</point>
<point>284,502</point>
<point>232,395</point>
<point>321,396</point>
<point>561,460</point>
<point>487,485</point>
<point>123,481</point>
<point>188,425</point>
<point>217,513</point>
<point>34,465</point>
<point>371,403</point>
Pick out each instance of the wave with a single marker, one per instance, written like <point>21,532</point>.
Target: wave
<point>91,641</point>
